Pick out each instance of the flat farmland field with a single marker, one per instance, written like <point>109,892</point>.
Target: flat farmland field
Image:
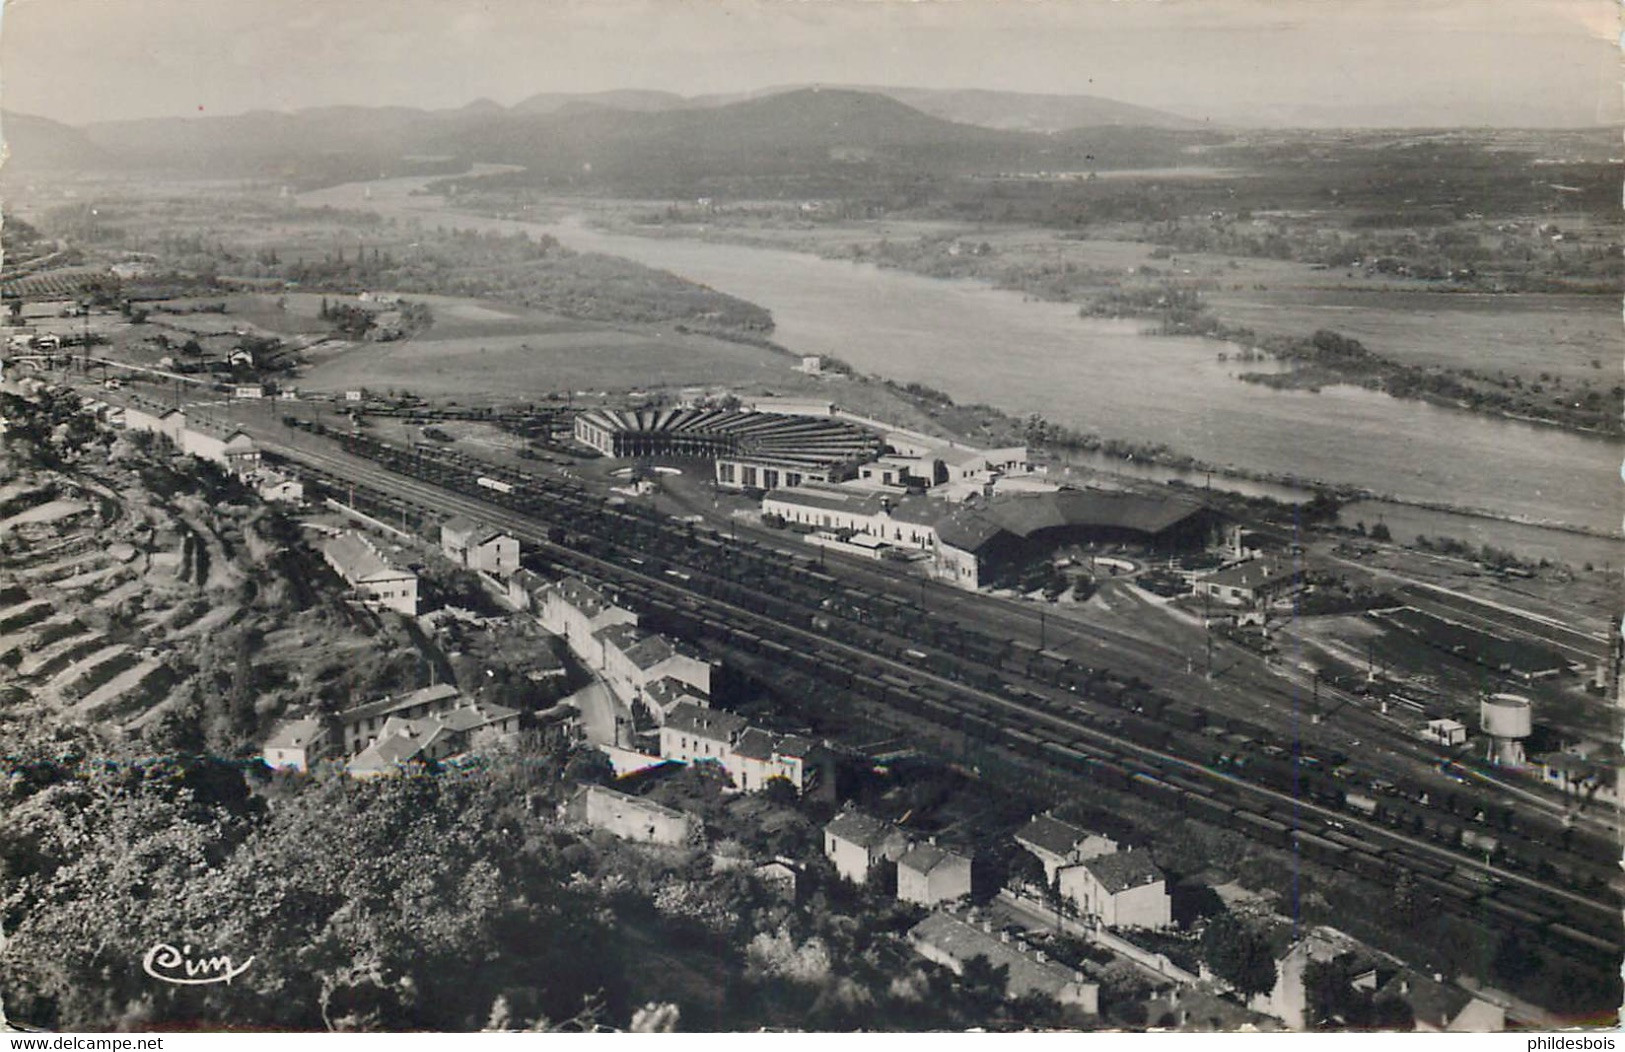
<point>1525,334</point>
<point>476,349</point>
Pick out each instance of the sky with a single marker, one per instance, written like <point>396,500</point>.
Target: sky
<point>1238,62</point>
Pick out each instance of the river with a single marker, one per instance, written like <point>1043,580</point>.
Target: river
<point>980,344</point>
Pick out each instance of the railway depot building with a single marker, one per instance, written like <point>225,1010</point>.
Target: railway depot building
<point>750,450</point>
<point>969,544</point>
<point>1254,583</point>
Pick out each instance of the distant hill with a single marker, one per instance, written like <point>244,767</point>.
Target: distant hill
<point>35,144</point>
<point>806,131</point>
<point>1039,113</point>
<point>641,101</point>
<point>645,140</point>
<point>1003,110</point>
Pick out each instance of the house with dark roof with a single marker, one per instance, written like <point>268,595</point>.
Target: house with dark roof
<point>1435,1005</point>
<point>633,659</point>
<point>761,756</point>
<point>477,546</point>
<point>666,693</point>
<point>952,942</point>
<point>360,725</point>
<point>1438,1007</point>
<point>857,843</point>
<point>693,732</point>
<point>1124,889</point>
<point>1058,844</point>
<point>403,743</point>
<point>929,874</point>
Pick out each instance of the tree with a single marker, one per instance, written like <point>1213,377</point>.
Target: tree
<point>1380,532</point>
<point>1239,954</point>
<point>982,986</point>
<point>780,790</point>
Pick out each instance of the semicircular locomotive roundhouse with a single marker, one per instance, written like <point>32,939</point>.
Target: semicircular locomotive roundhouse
<point>751,450</point>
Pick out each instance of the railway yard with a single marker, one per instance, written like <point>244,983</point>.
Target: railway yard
<point>1125,705</point>
<point>1046,699</point>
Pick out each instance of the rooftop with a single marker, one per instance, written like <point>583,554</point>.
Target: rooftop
<point>1052,835</point>
<point>357,560</point>
<point>650,651</point>
<point>1124,869</point>
<point>715,724</point>
<point>1434,1003</point>
<point>469,716</point>
<point>667,691</point>
<point>293,734</point>
<point>961,941</point>
<point>855,827</point>
<point>582,596</point>
<point>754,744</point>
<point>924,858</point>
<point>383,706</point>
<point>1251,574</point>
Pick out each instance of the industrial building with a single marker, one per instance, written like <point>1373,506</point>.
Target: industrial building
<point>969,544</point>
<point>751,450</point>
<point>1254,583</point>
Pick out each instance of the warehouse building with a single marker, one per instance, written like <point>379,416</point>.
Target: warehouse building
<point>750,450</point>
<point>969,544</point>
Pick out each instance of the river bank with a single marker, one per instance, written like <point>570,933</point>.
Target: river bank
<point>1192,294</point>
<point>986,347</point>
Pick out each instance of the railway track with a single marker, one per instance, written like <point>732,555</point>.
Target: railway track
<point>350,469</point>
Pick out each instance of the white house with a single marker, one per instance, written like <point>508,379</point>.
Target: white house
<point>1121,890</point>
<point>479,547</point>
<point>928,874</point>
<point>576,611</point>
<point>298,744</point>
<point>857,843</point>
<point>1058,844</point>
<point>375,581</point>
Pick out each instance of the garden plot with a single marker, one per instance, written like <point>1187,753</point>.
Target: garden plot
<point>89,579</point>
<point>47,514</point>
<point>125,691</point>
<point>90,672</point>
<point>60,655</point>
<point>21,615</point>
<point>78,561</point>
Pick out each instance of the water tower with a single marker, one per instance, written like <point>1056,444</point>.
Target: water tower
<point>1506,720</point>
